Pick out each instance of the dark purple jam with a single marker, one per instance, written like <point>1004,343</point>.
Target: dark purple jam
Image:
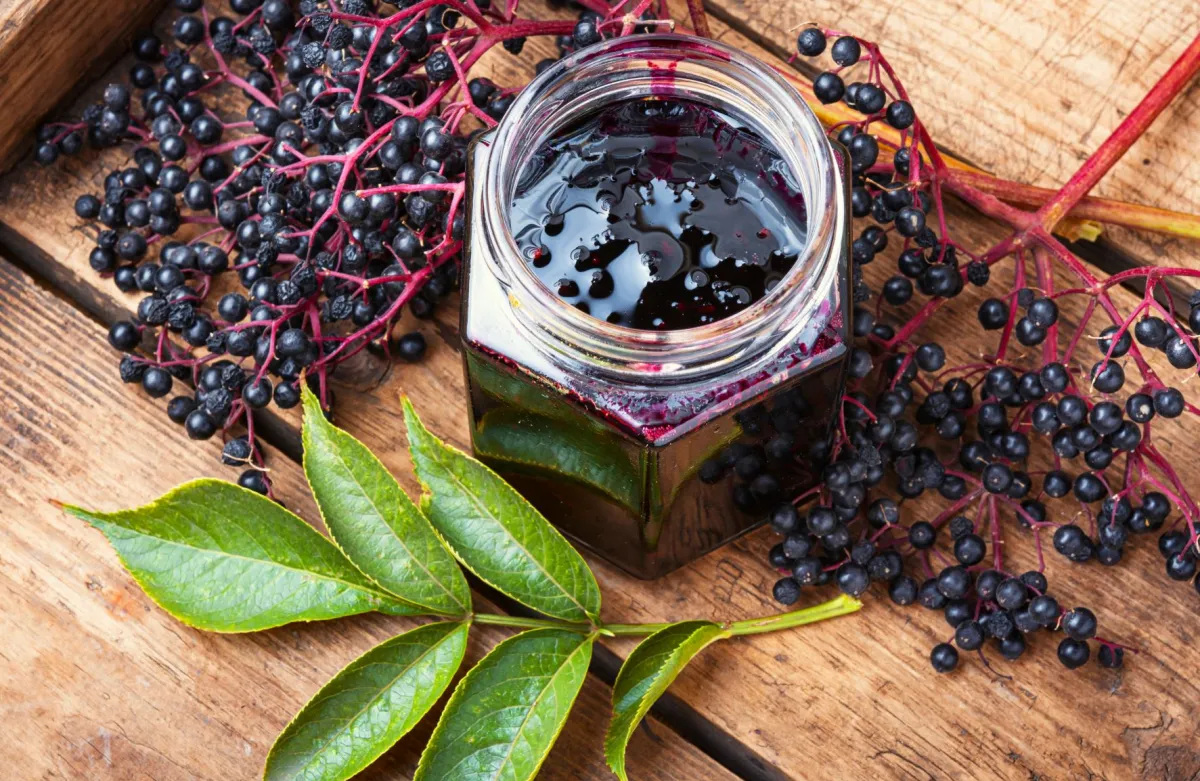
<point>654,213</point>
<point>658,214</point>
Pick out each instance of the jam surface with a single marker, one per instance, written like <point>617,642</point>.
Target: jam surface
<point>658,214</point>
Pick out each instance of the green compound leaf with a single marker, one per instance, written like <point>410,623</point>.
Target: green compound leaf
<point>646,674</point>
<point>507,712</point>
<point>374,522</point>
<point>226,559</point>
<point>368,706</point>
<point>497,534</point>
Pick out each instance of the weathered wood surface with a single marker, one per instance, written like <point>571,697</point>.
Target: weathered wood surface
<point>99,684</point>
<point>1026,90</point>
<point>854,698</point>
<point>47,47</point>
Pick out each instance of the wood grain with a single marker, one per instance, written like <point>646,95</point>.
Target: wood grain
<point>47,47</point>
<point>1027,90</point>
<point>850,699</point>
<point>99,684</point>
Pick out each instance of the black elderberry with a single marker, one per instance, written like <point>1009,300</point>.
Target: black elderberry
<point>810,42</point>
<point>1168,402</point>
<point>837,539</point>
<point>1151,331</point>
<point>846,50</point>
<point>1010,594</point>
<point>969,549</point>
<point>968,635</point>
<point>944,657</point>
<point>253,480</point>
<point>852,579</point>
<point>953,582</point>
<point>1140,408</point>
<point>957,611</point>
<point>922,535</point>
<point>1180,352</point>
<point>1089,488</point>
<point>807,570</point>
<point>829,88</point>
<point>1035,580</point>
<point>786,591</point>
<point>903,590</point>
<point>1054,377</point>
<point>237,452</point>
<point>1182,566</point>
<point>1111,657</point>
<point>1107,376</point>
<point>900,114</point>
<point>1073,653</point>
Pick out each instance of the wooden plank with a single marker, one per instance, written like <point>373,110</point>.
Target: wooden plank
<point>862,688</point>
<point>1027,90</point>
<point>98,683</point>
<point>46,47</point>
<point>854,698</point>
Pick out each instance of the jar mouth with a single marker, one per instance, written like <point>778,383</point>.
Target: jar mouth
<point>666,66</point>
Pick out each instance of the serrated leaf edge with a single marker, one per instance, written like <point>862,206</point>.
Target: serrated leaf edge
<point>588,643</point>
<point>463,624</point>
<point>614,754</point>
<point>411,421</point>
<point>98,521</point>
<point>466,609</point>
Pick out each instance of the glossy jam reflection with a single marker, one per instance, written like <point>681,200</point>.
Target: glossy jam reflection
<point>654,473</point>
<point>658,214</point>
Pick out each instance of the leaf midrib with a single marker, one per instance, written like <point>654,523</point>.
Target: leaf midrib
<point>488,513</point>
<point>533,706</point>
<point>411,555</point>
<point>529,712</point>
<point>379,695</point>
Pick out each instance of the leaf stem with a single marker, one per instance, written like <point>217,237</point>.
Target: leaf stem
<point>500,619</point>
<point>634,630</point>
<point>841,605</point>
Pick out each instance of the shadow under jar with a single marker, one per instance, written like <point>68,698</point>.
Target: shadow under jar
<point>656,296</point>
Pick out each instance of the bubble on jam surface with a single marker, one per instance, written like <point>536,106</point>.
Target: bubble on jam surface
<point>663,213</point>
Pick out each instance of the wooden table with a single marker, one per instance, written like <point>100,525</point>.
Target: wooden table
<point>97,683</point>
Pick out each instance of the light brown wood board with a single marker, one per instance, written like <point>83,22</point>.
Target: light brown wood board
<point>854,698</point>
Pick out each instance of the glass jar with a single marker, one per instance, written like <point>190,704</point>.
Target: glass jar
<point>652,448</point>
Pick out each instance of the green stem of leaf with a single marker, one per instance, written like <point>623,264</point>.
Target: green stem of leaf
<point>839,606</point>
<point>532,623</point>
<point>633,630</point>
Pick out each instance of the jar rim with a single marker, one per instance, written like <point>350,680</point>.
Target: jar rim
<point>634,354</point>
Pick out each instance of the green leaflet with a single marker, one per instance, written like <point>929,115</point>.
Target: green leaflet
<point>223,558</point>
<point>507,712</point>
<point>374,522</point>
<point>646,674</point>
<point>368,706</point>
<point>497,534</point>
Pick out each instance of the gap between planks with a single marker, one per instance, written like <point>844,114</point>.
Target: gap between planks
<point>48,556</point>
<point>281,434</point>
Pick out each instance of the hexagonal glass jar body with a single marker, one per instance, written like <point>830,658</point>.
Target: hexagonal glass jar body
<point>638,444</point>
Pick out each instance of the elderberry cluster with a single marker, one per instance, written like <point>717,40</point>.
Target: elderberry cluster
<point>296,185</point>
<point>911,425</point>
<point>929,263</point>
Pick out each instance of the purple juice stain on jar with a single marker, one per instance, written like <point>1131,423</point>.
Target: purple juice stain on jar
<point>656,297</point>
